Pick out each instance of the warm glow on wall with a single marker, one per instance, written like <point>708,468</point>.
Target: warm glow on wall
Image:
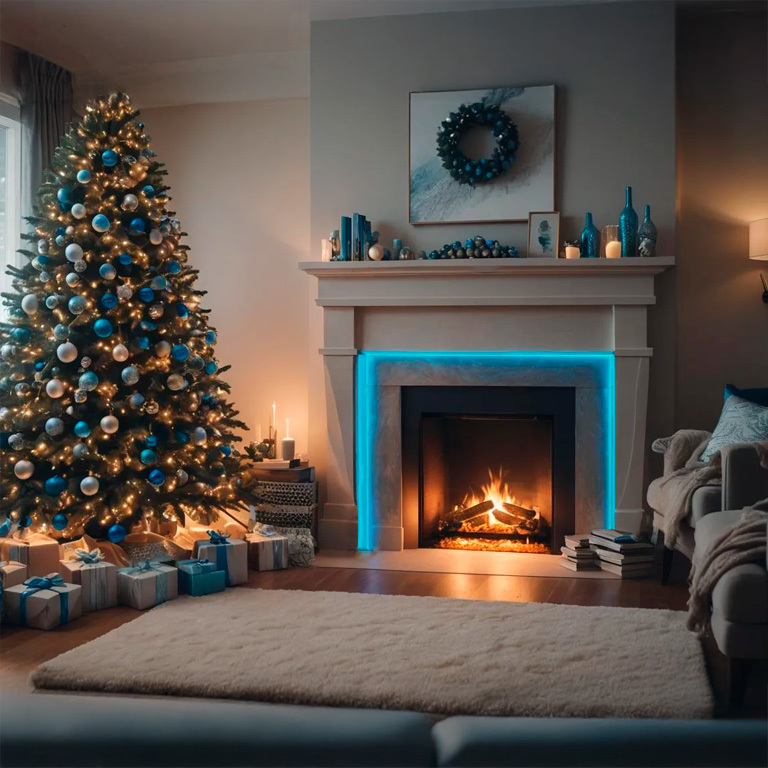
<point>758,240</point>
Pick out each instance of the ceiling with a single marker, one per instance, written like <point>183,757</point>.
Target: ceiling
<point>169,52</point>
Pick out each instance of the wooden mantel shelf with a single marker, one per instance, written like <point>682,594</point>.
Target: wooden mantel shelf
<point>470,267</point>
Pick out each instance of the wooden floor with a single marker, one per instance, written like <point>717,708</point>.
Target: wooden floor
<point>21,650</point>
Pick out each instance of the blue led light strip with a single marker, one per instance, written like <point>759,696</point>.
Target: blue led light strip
<point>366,415</point>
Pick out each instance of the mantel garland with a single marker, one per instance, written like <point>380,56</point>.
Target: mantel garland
<point>452,131</point>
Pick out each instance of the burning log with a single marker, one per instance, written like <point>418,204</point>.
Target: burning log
<point>468,513</point>
<point>521,513</point>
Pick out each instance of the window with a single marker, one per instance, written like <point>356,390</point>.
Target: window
<point>10,191</point>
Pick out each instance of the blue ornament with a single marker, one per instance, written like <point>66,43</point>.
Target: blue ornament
<point>60,522</point>
<point>82,429</point>
<point>76,305</point>
<point>84,176</point>
<point>181,309</point>
<point>54,426</point>
<point>148,457</point>
<point>151,441</point>
<point>142,342</point>
<point>137,226</point>
<point>116,534</point>
<point>100,222</point>
<point>107,271</point>
<point>21,335</point>
<point>5,528</point>
<point>25,521</point>
<point>88,381</point>
<point>207,400</point>
<point>147,295</point>
<point>174,267</point>
<point>226,450</point>
<point>55,485</point>
<point>60,239</point>
<point>148,190</point>
<point>43,260</point>
<point>61,332</point>
<point>210,367</point>
<point>130,375</point>
<point>102,327</point>
<point>108,301</point>
<point>136,400</point>
<point>61,230</point>
<point>156,477</point>
<point>180,352</point>
<point>39,365</point>
<point>210,337</point>
<point>125,259</point>
<point>109,157</point>
<point>63,195</point>
<point>181,437</point>
<point>159,283</point>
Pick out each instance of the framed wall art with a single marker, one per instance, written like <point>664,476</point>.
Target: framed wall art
<point>481,155</point>
<point>543,234</point>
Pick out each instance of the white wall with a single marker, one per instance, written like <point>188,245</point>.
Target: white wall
<point>239,178</point>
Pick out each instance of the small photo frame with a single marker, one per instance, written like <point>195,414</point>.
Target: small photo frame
<point>543,234</point>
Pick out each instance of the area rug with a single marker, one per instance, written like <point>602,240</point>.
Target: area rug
<point>426,654</point>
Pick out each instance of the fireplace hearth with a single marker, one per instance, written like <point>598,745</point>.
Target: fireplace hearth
<point>494,466</point>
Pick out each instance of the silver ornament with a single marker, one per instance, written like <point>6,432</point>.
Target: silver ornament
<point>16,442</point>
<point>151,407</point>
<point>80,450</point>
<point>124,292</point>
<point>45,277</point>
<point>85,362</point>
<point>80,266</point>
<point>80,395</point>
<point>182,476</point>
<point>175,382</point>
<point>21,389</point>
<point>42,246</point>
<point>130,203</point>
<point>72,279</point>
<point>156,311</point>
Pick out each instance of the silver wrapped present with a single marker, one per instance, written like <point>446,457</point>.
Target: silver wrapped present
<point>148,585</point>
<point>97,578</point>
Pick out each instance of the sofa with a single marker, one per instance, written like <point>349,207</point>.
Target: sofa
<point>50,729</point>
<point>744,482</point>
<point>739,618</point>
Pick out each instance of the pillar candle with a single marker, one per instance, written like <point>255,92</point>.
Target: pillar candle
<point>326,250</point>
<point>572,252</point>
<point>613,250</point>
<point>287,444</point>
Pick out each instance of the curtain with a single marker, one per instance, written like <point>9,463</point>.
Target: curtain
<point>46,109</point>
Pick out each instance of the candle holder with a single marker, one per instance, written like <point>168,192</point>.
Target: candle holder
<point>572,249</point>
<point>611,244</point>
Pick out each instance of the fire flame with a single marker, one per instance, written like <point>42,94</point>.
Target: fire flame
<point>499,492</point>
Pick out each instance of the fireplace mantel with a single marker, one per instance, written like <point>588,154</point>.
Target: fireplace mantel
<point>487,305</point>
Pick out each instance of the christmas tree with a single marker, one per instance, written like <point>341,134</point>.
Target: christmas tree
<point>112,408</point>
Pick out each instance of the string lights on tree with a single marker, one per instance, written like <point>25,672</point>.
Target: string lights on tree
<point>112,408</point>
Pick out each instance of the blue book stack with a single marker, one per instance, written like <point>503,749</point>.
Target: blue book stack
<point>345,239</point>
<point>357,233</point>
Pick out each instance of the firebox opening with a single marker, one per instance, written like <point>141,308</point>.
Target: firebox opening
<point>486,482</point>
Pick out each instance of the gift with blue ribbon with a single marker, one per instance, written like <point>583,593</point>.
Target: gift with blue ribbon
<point>145,586</point>
<point>267,550</point>
<point>38,552</point>
<point>200,577</point>
<point>12,573</point>
<point>230,556</point>
<point>97,578</point>
<point>43,602</point>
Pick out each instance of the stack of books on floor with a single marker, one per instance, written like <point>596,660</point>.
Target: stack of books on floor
<point>577,553</point>
<point>621,553</point>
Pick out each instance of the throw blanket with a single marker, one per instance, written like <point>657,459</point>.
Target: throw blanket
<point>744,543</point>
<point>684,473</point>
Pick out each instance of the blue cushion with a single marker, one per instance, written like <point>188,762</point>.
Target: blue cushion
<point>757,395</point>
<point>740,422</point>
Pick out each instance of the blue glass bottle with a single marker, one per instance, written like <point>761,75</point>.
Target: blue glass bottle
<point>647,235</point>
<point>628,226</point>
<point>590,239</point>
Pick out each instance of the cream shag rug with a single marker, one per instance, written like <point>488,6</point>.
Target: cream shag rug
<point>426,654</point>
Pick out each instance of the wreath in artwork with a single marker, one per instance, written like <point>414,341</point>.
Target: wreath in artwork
<point>453,129</point>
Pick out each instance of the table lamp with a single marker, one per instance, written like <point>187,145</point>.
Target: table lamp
<point>758,247</point>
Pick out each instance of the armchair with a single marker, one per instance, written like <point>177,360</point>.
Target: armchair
<point>743,482</point>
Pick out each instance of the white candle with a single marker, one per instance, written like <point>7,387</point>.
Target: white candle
<point>572,252</point>
<point>326,250</point>
<point>613,250</point>
<point>273,416</point>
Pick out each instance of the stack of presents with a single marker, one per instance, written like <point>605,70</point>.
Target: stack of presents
<point>44,584</point>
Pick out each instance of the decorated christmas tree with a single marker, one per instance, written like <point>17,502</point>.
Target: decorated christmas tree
<point>112,408</point>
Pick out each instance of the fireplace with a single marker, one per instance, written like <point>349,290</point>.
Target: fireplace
<point>494,466</point>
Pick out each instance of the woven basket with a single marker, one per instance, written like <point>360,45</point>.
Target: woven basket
<point>141,547</point>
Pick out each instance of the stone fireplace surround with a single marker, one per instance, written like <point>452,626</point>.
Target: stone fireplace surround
<point>521,322</point>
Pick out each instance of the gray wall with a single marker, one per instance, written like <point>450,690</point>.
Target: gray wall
<point>614,68</point>
<point>723,184</point>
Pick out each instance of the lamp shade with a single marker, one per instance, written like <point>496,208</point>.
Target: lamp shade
<point>758,240</point>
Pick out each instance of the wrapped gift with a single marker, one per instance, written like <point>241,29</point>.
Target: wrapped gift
<point>38,552</point>
<point>147,585</point>
<point>97,578</point>
<point>267,550</point>
<point>230,556</point>
<point>291,494</point>
<point>200,577</point>
<point>283,516</point>
<point>301,545</point>
<point>12,573</point>
<point>112,553</point>
<point>43,602</point>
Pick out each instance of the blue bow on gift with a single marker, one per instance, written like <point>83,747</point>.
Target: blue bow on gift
<point>148,566</point>
<point>222,562</point>
<point>200,565</point>
<point>38,583</point>
<point>217,538</point>
<point>161,582</point>
<point>89,558</point>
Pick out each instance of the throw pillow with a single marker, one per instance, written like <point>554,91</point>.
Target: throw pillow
<point>757,395</point>
<point>740,422</point>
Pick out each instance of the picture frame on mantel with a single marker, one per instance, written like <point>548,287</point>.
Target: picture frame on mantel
<point>543,234</point>
<point>514,182</point>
